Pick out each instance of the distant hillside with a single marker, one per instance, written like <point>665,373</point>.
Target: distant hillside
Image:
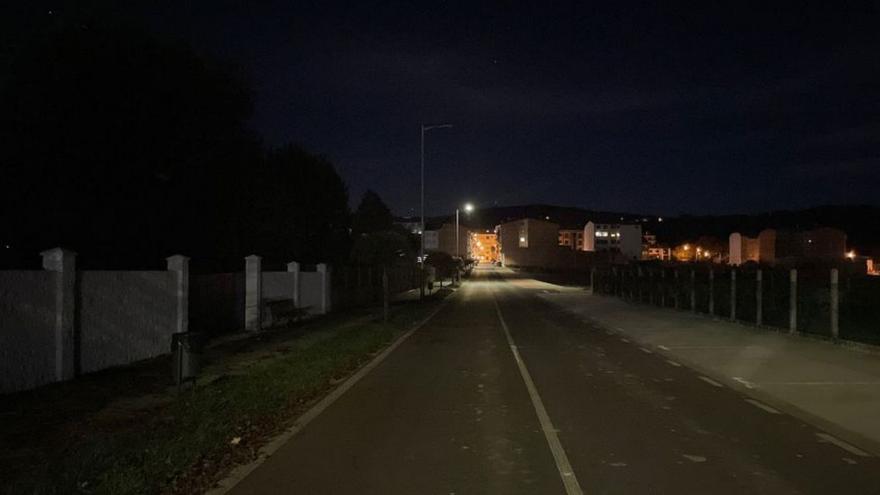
<point>860,222</point>
<point>567,217</point>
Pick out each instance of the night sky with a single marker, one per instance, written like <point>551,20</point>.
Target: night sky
<point>664,110</point>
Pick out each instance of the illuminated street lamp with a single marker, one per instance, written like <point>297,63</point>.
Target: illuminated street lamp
<point>467,209</point>
<point>425,128</point>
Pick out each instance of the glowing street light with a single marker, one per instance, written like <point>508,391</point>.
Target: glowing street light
<point>468,207</point>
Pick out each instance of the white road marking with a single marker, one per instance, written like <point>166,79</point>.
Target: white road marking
<point>745,382</point>
<point>710,381</point>
<point>646,350</point>
<point>819,384</point>
<point>708,347</point>
<point>625,340</point>
<point>569,480</point>
<point>852,449</point>
<point>694,458</point>
<point>663,347</point>
<point>673,363</point>
<point>762,406</point>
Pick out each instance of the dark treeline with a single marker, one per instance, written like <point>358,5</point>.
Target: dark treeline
<point>128,149</point>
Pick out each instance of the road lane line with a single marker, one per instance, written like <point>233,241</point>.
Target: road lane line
<point>852,449</point>
<point>762,406</point>
<point>710,381</point>
<point>646,350</point>
<point>663,347</point>
<point>673,363</point>
<point>569,480</point>
<point>625,341</point>
<point>745,382</point>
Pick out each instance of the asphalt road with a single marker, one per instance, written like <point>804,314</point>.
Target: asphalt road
<point>502,393</point>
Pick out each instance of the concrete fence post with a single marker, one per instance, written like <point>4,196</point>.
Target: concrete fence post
<point>293,267</point>
<point>711,292</point>
<point>63,263</point>
<point>253,299</point>
<point>792,301</point>
<point>676,291</point>
<point>324,270</point>
<point>733,294</point>
<point>639,284</point>
<point>759,298</point>
<point>593,280</point>
<point>180,264</point>
<point>663,287</point>
<point>693,291</point>
<point>835,305</point>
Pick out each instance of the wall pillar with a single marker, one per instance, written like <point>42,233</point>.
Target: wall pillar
<point>835,305</point>
<point>180,264</point>
<point>792,301</point>
<point>293,267</point>
<point>324,270</point>
<point>63,263</point>
<point>253,299</point>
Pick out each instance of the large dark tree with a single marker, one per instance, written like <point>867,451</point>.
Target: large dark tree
<point>376,239</point>
<point>119,146</point>
<point>372,215</point>
<point>298,208</point>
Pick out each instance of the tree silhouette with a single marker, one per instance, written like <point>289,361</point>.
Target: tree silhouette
<point>372,215</point>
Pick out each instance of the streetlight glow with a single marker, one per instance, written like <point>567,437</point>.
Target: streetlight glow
<point>468,207</point>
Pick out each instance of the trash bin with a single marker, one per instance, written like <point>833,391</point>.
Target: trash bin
<point>186,352</point>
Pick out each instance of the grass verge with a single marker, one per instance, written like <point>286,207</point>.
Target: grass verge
<point>184,446</point>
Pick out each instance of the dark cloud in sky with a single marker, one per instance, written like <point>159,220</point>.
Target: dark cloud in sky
<point>701,110</point>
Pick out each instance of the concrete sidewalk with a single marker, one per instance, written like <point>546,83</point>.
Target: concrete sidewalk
<point>831,386</point>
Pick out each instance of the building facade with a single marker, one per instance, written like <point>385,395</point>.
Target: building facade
<point>484,246</point>
<point>772,246</point>
<point>443,239</point>
<point>625,239</point>
<point>572,238</point>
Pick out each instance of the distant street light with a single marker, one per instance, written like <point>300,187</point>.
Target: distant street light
<point>467,209</point>
<point>425,128</point>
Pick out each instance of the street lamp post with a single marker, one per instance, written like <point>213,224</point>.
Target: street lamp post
<point>425,128</point>
<point>467,209</point>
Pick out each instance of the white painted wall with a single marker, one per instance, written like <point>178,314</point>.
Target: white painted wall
<point>27,319</point>
<point>125,316</point>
